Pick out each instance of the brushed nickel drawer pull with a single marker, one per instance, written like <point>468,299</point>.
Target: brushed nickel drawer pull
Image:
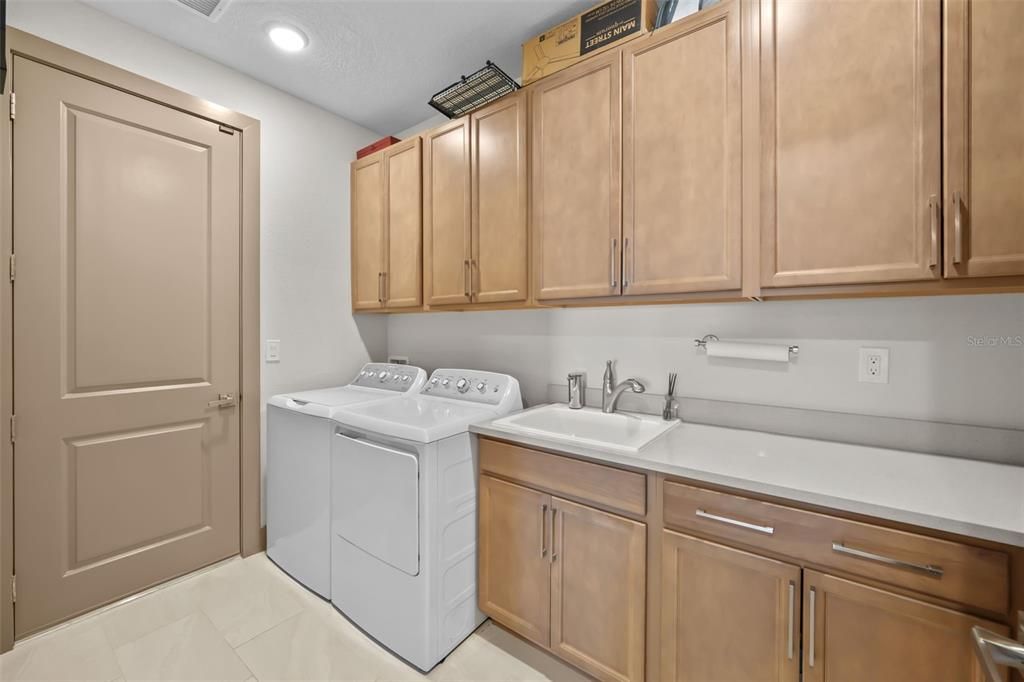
<point>927,569</point>
<point>789,636</point>
<point>810,644</point>
<point>767,530</point>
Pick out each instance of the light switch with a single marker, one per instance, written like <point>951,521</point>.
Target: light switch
<point>273,350</point>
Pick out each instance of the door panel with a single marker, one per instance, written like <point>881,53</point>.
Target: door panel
<point>863,633</point>
<point>598,590</point>
<point>446,219</point>
<point>126,226</point>
<point>709,594</point>
<point>499,202</point>
<point>403,283</point>
<point>681,157</point>
<point>576,180</point>
<point>850,110</point>
<point>367,232</point>
<point>984,204</point>
<point>514,575</point>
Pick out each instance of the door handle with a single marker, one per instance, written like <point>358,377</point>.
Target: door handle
<point>384,287</point>
<point>625,263</point>
<point>465,278</point>
<point>792,605</point>
<point>811,627</point>
<point>380,287</point>
<point>554,551</point>
<point>958,229</point>
<point>543,530</point>
<point>611,263</point>
<point>933,206</point>
<point>223,400</point>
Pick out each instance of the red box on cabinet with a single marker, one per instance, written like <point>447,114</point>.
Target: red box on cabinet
<point>377,146</point>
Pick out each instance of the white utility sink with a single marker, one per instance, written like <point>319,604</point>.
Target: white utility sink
<point>626,432</point>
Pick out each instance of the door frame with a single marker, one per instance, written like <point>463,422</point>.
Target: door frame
<point>28,46</point>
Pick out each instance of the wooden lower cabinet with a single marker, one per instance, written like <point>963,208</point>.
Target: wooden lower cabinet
<point>567,577</point>
<point>597,591</point>
<point>727,614</point>
<point>853,632</point>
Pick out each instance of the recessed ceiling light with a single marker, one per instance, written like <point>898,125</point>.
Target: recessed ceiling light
<point>288,38</point>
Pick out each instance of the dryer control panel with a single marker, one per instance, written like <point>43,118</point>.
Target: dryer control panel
<point>487,388</point>
<point>398,378</point>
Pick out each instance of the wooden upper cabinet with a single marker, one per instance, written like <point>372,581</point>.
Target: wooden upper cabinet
<point>576,180</point>
<point>727,614</point>
<point>598,591</point>
<point>681,157</point>
<point>446,214</point>
<point>850,107</point>
<point>514,570</point>
<point>403,280</point>
<point>984,202</point>
<point>367,182</point>
<point>856,632</point>
<point>499,245</point>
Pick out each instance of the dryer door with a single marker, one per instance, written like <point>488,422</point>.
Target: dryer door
<point>375,500</point>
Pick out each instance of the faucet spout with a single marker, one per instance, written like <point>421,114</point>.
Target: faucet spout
<point>633,385</point>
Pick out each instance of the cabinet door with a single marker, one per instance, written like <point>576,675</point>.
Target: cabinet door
<point>598,566</point>
<point>850,107</point>
<point>499,202</point>
<point>854,632</point>
<point>446,219</point>
<point>403,279</point>
<point>984,203</point>
<point>576,180</point>
<point>367,225</point>
<point>514,573</point>
<point>681,157</point>
<point>727,614</point>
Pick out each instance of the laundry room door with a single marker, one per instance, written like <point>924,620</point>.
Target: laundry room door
<point>126,227</point>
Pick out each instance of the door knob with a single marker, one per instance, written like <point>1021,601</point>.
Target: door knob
<point>223,400</point>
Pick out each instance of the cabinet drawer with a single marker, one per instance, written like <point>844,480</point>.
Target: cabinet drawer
<point>949,570</point>
<point>615,488</point>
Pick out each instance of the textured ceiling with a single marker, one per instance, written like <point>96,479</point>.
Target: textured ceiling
<point>375,62</point>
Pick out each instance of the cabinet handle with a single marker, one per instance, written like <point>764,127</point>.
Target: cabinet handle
<point>543,530</point>
<point>465,278</point>
<point>625,262</point>
<point>384,279</point>
<point>789,636</point>
<point>554,551</point>
<point>933,207</point>
<point>810,644</point>
<point>611,263</point>
<point>380,287</point>
<point>958,229</point>
<point>929,569</point>
<point>767,530</point>
<point>474,272</point>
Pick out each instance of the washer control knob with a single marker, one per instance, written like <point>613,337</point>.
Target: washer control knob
<point>433,382</point>
<point>383,376</point>
<point>462,385</point>
<point>406,378</point>
<point>481,387</point>
<point>446,382</point>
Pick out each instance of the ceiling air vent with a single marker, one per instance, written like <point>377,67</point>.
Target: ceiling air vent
<point>211,9</point>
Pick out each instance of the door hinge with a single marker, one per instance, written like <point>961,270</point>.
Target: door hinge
<point>14,104</point>
<point>224,129</point>
<point>14,588</point>
<point>13,423</point>
<point>11,267</point>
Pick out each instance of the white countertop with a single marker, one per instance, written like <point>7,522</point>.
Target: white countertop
<point>970,498</point>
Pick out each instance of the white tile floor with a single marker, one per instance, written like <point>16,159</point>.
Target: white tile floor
<point>244,620</point>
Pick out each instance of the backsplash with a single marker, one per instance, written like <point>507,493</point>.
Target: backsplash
<point>957,360</point>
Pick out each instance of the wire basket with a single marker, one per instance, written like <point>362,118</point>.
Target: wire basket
<point>472,92</point>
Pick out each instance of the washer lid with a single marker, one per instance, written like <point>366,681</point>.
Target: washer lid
<point>375,381</point>
<point>421,419</point>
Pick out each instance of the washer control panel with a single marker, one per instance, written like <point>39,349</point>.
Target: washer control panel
<point>489,388</point>
<point>398,378</point>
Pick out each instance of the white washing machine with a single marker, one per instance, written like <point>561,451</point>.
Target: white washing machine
<point>299,433</point>
<point>403,512</point>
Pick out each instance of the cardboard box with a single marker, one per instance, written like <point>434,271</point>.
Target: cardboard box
<point>382,143</point>
<point>596,30</point>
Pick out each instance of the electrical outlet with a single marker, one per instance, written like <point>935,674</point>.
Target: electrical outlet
<point>874,366</point>
<point>398,360</point>
<point>273,350</point>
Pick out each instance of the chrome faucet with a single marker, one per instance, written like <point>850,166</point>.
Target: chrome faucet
<point>610,393</point>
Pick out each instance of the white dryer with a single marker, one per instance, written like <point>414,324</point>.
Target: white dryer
<point>299,433</point>
<point>403,513</point>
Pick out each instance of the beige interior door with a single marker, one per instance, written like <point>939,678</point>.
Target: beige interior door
<point>368,233</point>
<point>851,110</point>
<point>681,157</point>
<point>126,315</point>
<point>403,219</point>
<point>984,122</point>
<point>576,180</point>
<point>446,217</point>
<point>499,201</point>
<point>713,597</point>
